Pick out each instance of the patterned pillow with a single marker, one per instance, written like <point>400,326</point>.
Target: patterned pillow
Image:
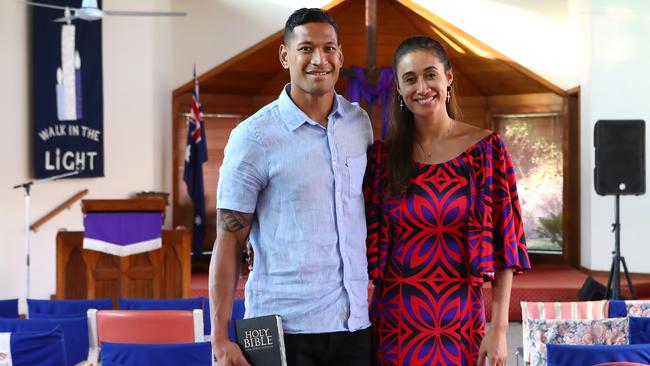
<point>640,330</point>
<point>550,331</point>
<point>559,310</point>
<point>637,308</point>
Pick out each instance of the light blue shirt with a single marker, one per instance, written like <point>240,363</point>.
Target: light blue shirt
<point>303,182</point>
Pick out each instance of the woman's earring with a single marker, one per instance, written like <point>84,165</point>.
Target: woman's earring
<point>448,93</point>
<point>401,102</point>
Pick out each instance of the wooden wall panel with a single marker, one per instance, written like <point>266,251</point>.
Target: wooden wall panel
<point>525,103</point>
<point>217,132</point>
<point>474,111</point>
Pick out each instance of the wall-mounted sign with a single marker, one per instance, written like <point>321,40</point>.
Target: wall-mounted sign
<point>68,132</point>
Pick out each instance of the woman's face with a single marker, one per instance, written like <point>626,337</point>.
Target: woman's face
<point>422,82</point>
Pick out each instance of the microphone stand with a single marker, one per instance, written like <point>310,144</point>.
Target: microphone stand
<point>26,188</point>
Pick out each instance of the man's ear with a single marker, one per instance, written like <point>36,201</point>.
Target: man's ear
<point>284,54</point>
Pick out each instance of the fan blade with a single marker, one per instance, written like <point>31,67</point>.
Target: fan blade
<point>146,13</point>
<point>42,5</point>
<point>64,19</point>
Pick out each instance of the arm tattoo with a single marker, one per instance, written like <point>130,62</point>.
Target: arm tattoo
<point>232,221</point>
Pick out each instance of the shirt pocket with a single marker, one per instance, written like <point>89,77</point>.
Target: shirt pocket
<point>356,169</point>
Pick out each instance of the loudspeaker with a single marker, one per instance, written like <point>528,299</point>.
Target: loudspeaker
<point>620,157</point>
<point>592,290</point>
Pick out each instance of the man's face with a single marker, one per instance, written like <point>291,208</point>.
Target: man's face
<point>313,57</point>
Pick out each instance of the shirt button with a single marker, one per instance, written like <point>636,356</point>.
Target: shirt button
<point>338,193</point>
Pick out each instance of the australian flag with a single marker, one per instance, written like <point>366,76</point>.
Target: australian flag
<point>196,153</point>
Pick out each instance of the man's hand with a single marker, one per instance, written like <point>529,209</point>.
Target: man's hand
<point>228,353</point>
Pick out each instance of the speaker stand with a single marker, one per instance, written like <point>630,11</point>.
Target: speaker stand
<point>617,259</point>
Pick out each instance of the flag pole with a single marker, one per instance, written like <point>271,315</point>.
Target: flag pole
<point>193,170</point>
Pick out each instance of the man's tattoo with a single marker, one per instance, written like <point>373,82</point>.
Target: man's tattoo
<point>232,221</point>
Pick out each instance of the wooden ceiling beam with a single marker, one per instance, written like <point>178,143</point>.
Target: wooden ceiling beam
<point>273,38</point>
<point>428,31</point>
<point>480,70</point>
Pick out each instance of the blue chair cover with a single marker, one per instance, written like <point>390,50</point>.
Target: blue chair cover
<point>639,330</point>
<point>182,354</point>
<point>13,325</point>
<point>73,308</point>
<point>207,324</point>
<point>75,333</point>
<point>35,315</point>
<point>160,304</point>
<point>566,354</point>
<point>38,348</point>
<point>617,309</point>
<point>9,308</point>
<point>238,310</point>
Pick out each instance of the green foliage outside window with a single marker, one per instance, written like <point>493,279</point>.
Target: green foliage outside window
<point>535,147</point>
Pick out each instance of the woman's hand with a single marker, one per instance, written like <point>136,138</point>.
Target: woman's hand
<point>494,348</point>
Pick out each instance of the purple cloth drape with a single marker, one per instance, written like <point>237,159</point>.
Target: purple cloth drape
<point>123,233</point>
<point>358,88</point>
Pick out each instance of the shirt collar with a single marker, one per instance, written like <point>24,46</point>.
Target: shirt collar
<point>293,117</point>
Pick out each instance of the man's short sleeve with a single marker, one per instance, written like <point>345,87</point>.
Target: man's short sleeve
<point>243,172</point>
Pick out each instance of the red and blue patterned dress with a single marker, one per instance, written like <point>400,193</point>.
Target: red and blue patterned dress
<point>430,250</point>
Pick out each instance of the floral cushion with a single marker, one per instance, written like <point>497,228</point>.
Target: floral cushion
<point>638,308</point>
<point>559,310</point>
<point>599,332</point>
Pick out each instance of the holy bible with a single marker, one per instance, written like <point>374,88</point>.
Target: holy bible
<point>261,340</point>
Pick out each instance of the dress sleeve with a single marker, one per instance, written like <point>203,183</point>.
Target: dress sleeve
<point>509,240</point>
<point>377,221</point>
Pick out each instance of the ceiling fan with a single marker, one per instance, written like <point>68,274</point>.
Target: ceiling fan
<point>90,11</point>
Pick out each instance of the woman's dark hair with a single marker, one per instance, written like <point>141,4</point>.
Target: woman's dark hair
<point>308,15</point>
<point>401,132</point>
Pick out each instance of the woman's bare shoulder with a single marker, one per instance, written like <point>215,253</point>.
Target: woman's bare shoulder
<point>471,133</point>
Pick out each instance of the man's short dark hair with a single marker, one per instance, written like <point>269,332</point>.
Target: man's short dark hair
<point>308,15</point>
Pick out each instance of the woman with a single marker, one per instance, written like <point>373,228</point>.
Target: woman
<point>443,216</point>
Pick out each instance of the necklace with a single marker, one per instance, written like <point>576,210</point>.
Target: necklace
<point>427,154</point>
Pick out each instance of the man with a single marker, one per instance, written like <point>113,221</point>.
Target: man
<point>291,178</point>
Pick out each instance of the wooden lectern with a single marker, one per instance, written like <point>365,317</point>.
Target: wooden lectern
<point>88,274</point>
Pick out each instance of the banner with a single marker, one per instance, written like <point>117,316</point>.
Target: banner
<point>358,88</point>
<point>123,233</point>
<point>68,132</point>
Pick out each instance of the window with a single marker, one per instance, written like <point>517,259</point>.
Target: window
<point>535,145</point>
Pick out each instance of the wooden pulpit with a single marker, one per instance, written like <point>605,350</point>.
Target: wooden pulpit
<point>88,274</point>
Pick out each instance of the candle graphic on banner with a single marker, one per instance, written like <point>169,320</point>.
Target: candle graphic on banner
<point>77,85</point>
<point>68,78</point>
<point>60,92</point>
